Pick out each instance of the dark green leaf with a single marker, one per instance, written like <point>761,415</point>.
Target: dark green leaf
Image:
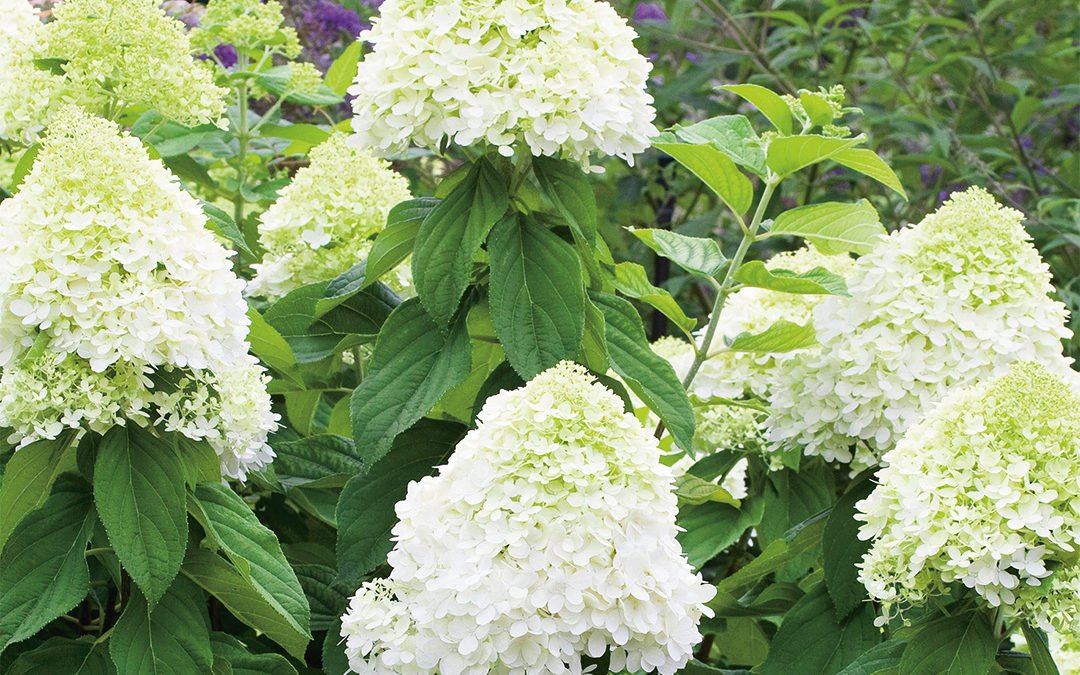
<point>25,163</point>
<point>29,477</point>
<point>64,655</point>
<point>811,642</point>
<point>451,235</point>
<point>254,549</point>
<point>1039,647</point>
<point>43,569</point>
<point>566,186</point>
<point>172,638</point>
<point>693,254</point>
<point>799,540</point>
<point>818,281</point>
<point>324,460</point>
<point>962,644</point>
<point>326,593</point>
<point>242,661</point>
<point>710,528</point>
<point>879,660</point>
<point>413,366</point>
<point>844,550</point>
<point>365,510</point>
<point>139,492</point>
<point>269,345</point>
<point>537,295</point>
<point>650,376</point>
<point>395,242</point>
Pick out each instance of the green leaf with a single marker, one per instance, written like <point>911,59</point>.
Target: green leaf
<point>172,638</point>
<point>84,656</point>
<point>566,186</point>
<point>43,570</point>
<point>395,242</point>
<point>414,364</point>
<point>782,336</point>
<point>694,254</point>
<point>326,593</point>
<point>962,644</point>
<point>324,460</point>
<point>225,582</point>
<point>334,661</point>
<point>1039,647</point>
<point>730,134</point>
<point>818,281</point>
<point>788,154</point>
<point>833,227</point>
<point>798,541</point>
<point>139,492</point>
<point>242,661</point>
<point>224,225</point>
<point>29,477</point>
<point>632,280</point>
<point>693,490</point>
<point>716,170</point>
<point>25,163</point>
<point>768,102</point>
<point>365,511</point>
<point>816,107</point>
<point>537,295</point>
<point>650,376</point>
<point>342,72</point>
<point>879,660</point>
<point>308,135</point>
<point>711,527</point>
<point>868,163</point>
<point>811,642</point>
<point>844,550</point>
<point>451,235</point>
<point>271,348</point>
<point>254,550</point>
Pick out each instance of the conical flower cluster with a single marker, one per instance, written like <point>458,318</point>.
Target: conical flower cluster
<point>949,302</point>
<point>114,297</point>
<point>548,536</point>
<point>326,219</point>
<point>26,91</point>
<point>983,492</point>
<point>559,76</point>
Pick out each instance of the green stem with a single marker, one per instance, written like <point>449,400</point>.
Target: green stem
<point>727,286</point>
<point>242,138</point>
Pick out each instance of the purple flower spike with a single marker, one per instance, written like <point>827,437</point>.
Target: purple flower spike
<point>649,11</point>
<point>226,54</point>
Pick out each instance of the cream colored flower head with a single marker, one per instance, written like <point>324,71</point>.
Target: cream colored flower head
<point>128,55</point>
<point>27,92</point>
<point>112,287</point>
<point>547,537</point>
<point>983,491</point>
<point>325,221</point>
<point>557,77</point>
<point>946,303</point>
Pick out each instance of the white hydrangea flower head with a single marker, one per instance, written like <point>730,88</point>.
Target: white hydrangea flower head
<point>548,536</point>
<point>325,220</point>
<point>946,303</point>
<point>129,53</point>
<point>560,76</point>
<point>26,91</point>
<point>1066,653</point>
<point>110,262</point>
<point>982,491</point>
<point>730,374</point>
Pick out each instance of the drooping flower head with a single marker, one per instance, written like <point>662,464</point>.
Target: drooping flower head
<point>128,54</point>
<point>730,374</point>
<point>946,303</point>
<point>325,220</point>
<point>548,536</point>
<point>26,91</point>
<point>559,76</point>
<point>114,294</point>
<point>250,26</point>
<point>982,491</point>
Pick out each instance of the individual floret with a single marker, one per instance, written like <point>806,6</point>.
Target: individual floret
<point>946,303</point>
<point>557,76</point>
<point>547,537</point>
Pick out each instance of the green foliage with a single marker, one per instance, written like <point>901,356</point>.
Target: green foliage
<point>171,637</point>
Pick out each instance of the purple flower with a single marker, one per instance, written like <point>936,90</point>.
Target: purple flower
<point>226,54</point>
<point>693,57</point>
<point>326,21</point>
<point>929,174</point>
<point>649,11</point>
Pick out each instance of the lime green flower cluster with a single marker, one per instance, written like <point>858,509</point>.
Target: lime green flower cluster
<point>119,55</point>
<point>26,91</point>
<point>325,220</point>
<point>250,26</point>
<point>983,492</point>
<point>304,77</point>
